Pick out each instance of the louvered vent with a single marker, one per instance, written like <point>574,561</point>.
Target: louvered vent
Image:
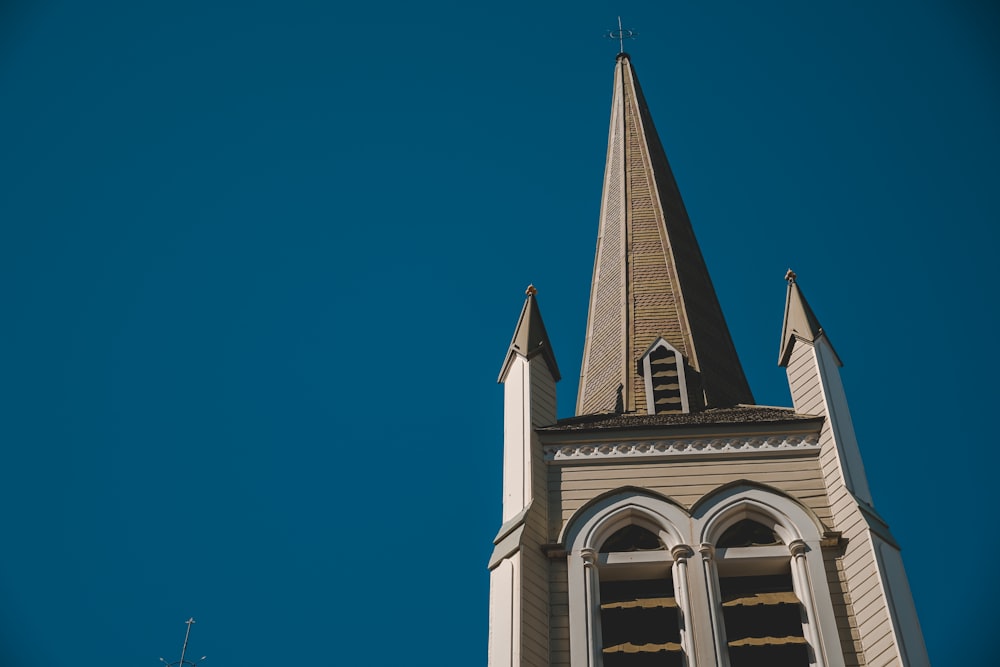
<point>662,368</point>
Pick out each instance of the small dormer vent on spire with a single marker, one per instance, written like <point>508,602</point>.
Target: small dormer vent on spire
<point>662,370</point>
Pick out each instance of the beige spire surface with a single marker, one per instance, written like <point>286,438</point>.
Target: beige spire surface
<point>650,280</point>
<point>799,322</point>
<point>530,338</point>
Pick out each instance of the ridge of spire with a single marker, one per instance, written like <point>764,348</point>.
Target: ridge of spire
<point>799,321</point>
<point>530,338</point>
<point>650,279</point>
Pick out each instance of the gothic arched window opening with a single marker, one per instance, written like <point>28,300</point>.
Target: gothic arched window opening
<point>640,622</point>
<point>763,619</point>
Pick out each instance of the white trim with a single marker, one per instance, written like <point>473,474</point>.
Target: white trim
<point>682,594</point>
<point>648,449</point>
<point>612,172</point>
<point>517,431</point>
<point>841,424</point>
<point>504,639</point>
<point>720,646</point>
<point>899,599</point>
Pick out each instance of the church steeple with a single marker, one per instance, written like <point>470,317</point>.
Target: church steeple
<point>674,534</point>
<point>656,337</point>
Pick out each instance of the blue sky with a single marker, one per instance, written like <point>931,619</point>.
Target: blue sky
<point>260,263</point>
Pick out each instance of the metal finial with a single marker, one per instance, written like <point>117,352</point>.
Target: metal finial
<point>621,35</point>
<point>531,291</point>
<point>790,276</point>
<point>183,661</point>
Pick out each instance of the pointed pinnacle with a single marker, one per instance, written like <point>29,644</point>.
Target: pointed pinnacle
<point>531,291</point>
<point>790,276</point>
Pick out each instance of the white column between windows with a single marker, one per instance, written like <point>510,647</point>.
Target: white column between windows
<point>714,604</point>
<point>593,597</point>
<point>681,553</point>
<point>803,589</point>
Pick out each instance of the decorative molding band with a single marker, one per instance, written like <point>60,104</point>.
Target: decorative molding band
<point>686,447</point>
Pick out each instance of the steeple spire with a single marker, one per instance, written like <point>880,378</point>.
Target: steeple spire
<point>530,338</point>
<point>800,322</point>
<point>653,309</point>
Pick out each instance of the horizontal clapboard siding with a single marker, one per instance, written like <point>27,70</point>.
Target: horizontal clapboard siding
<point>559,614</point>
<point>847,627</point>
<point>535,592</point>
<point>535,573</point>
<point>571,487</point>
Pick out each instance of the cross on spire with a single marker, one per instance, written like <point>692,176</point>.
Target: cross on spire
<point>183,662</point>
<point>621,35</point>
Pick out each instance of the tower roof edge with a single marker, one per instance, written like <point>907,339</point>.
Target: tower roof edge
<point>530,337</point>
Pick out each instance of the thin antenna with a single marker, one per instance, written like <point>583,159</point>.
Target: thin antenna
<point>621,35</point>
<point>182,662</point>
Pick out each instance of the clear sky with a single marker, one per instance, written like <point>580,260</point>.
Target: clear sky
<point>260,263</point>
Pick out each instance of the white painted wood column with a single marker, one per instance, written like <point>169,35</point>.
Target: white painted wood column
<point>803,589</point>
<point>681,553</point>
<point>714,604</point>
<point>593,592</point>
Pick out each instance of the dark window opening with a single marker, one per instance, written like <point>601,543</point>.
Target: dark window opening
<point>640,625</point>
<point>763,620</point>
<point>747,533</point>
<point>632,538</point>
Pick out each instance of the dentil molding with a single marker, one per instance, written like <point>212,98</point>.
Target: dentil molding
<point>682,447</point>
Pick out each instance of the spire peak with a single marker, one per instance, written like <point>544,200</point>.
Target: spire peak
<point>530,338</point>
<point>800,322</point>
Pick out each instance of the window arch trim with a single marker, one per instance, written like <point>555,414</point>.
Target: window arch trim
<point>800,531</point>
<point>587,530</point>
<point>598,520</point>
<point>725,507</point>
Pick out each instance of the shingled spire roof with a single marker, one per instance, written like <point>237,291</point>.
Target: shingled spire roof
<point>530,338</point>
<point>650,281</point>
<point>800,322</point>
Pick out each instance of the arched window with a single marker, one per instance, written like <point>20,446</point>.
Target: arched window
<point>640,624</point>
<point>762,616</point>
<point>766,581</point>
<point>628,584</point>
<point>759,597</point>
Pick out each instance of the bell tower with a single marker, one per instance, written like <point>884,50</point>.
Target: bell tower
<point>672,521</point>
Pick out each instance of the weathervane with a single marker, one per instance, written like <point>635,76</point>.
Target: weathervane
<point>621,35</point>
<point>182,662</point>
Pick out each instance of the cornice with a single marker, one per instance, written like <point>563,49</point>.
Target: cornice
<point>683,447</point>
